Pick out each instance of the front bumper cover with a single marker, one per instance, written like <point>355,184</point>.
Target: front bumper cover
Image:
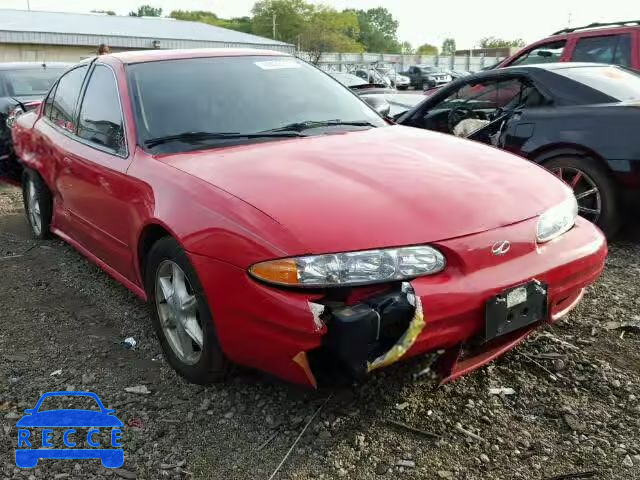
<point>294,334</point>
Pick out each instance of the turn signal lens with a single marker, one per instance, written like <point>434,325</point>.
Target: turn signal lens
<point>351,268</point>
<point>282,272</point>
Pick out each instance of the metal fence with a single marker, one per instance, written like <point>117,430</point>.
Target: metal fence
<point>346,62</point>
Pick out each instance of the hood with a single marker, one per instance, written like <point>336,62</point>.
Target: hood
<point>378,188</point>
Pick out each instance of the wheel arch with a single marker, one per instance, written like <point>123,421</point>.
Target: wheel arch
<point>149,235</point>
<point>549,152</point>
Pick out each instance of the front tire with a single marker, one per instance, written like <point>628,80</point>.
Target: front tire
<point>38,204</point>
<point>594,190</point>
<point>181,315</point>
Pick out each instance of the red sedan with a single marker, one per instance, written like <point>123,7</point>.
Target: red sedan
<point>272,219</point>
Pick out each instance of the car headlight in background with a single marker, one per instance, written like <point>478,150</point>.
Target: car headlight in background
<point>351,268</point>
<point>13,116</point>
<point>557,220</point>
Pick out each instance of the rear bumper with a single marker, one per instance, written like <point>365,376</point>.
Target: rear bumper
<point>273,330</point>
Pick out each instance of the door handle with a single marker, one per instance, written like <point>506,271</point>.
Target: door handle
<point>66,161</point>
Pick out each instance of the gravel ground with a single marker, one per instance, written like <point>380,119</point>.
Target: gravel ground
<point>575,406</point>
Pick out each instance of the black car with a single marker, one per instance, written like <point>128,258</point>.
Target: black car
<point>427,76</point>
<point>21,83</point>
<point>581,121</point>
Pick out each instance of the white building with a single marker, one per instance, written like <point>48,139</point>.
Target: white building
<point>56,36</point>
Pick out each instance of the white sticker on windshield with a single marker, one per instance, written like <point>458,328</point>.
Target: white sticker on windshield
<point>277,64</point>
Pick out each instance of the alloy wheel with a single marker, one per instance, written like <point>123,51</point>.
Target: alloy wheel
<point>177,307</point>
<point>33,208</point>
<point>585,190</point>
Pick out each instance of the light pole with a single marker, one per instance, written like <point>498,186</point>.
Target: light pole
<point>28,5</point>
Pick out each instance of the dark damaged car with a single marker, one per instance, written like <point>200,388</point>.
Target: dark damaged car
<point>579,120</point>
<point>22,86</point>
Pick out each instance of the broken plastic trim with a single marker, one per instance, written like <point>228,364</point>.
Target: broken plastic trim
<point>405,342</point>
<point>375,332</point>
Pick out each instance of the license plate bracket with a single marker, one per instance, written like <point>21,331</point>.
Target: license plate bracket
<point>515,308</point>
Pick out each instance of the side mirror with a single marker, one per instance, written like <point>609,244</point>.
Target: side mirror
<point>379,104</point>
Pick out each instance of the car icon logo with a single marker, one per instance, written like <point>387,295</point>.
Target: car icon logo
<point>39,429</point>
<point>501,247</point>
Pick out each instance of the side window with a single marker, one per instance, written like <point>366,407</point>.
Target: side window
<point>100,115</point>
<point>611,49</point>
<point>66,97</point>
<point>546,53</point>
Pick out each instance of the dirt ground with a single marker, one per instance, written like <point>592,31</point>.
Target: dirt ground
<point>575,406</point>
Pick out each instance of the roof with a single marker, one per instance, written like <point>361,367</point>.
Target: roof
<point>553,66</point>
<point>58,28</point>
<point>598,26</point>
<point>138,56</point>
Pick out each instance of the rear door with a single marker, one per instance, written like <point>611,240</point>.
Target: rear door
<point>53,140</point>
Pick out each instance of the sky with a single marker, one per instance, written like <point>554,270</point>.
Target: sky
<point>467,21</point>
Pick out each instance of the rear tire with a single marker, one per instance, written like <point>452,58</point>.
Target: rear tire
<point>584,175</point>
<point>181,315</point>
<point>38,204</point>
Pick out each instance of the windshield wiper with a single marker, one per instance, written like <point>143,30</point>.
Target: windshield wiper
<point>301,126</point>
<point>195,137</point>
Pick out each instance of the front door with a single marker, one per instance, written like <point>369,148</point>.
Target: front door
<point>96,189</point>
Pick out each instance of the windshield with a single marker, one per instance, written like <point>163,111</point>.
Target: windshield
<point>239,95</point>
<point>614,81</point>
<point>31,82</point>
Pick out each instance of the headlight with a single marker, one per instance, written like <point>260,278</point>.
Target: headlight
<point>351,268</point>
<point>557,220</point>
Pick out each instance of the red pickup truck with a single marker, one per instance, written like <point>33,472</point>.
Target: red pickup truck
<point>613,43</point>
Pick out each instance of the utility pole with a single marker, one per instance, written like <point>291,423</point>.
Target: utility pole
<point>274,25</point>
<point>28,5</point>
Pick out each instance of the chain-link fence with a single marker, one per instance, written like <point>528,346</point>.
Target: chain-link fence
<point>347,62</point>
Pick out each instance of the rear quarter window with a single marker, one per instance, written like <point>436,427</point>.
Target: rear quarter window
<point>612,49</point>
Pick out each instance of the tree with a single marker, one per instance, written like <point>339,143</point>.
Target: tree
<point>378,30</point>
<point>328,30</point>
<point>242,24</point>
<point>104,12</point>
<point>493,42</point>
<point>147,11</point>
<point>283,20</point>
<point>406,48</point>
<point>449,46</point>
<point>427,49</point>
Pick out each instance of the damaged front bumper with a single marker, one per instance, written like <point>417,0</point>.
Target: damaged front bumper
<point>300,335</point>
